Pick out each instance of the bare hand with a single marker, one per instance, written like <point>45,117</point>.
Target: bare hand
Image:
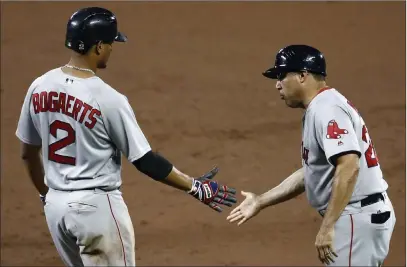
<point>246,210</point>
<point>324,245</point>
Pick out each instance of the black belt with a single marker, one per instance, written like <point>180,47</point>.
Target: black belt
<point>104,189</point>
<point>371,199</point>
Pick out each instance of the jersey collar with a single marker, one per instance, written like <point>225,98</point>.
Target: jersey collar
<point>323,89</point>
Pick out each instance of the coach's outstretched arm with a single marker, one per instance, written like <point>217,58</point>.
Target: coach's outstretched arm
<point>291,187</point>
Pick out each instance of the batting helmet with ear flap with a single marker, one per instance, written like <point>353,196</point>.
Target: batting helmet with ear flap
<point>295,58</point>
<point>88,26</point>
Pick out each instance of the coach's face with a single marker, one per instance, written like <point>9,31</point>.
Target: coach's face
<point>290,89</point>
<point>103,54</point>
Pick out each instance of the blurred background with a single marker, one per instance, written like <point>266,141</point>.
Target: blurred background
<point>192,73</point>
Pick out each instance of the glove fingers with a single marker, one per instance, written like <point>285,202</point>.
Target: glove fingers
<point>209,175</point>
<point>223,201</point>
<point>227,189</point>
<point>227,197</point>
<point>215,207</point>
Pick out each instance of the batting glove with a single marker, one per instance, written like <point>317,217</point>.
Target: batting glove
<point>211,193</point>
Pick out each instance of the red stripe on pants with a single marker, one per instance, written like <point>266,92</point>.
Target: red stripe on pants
<point>351,240</point>
<point>118,229</point>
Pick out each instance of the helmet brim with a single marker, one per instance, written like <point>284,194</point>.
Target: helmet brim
<point>121,37</point>
<point>272,73</point>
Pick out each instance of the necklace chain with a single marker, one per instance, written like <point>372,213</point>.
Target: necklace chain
<point>82,69</point>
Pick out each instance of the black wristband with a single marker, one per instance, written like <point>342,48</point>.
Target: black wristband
<point>153,165</point>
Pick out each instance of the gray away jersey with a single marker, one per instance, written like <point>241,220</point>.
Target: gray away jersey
<point>332,125</point>
<point>83,126</point>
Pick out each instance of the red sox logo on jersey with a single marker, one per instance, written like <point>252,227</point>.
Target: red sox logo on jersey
<point>333,130</point>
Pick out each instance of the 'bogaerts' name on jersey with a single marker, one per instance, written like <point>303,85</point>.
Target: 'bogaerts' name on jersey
<point>66,104</point>
<point>80,146</point>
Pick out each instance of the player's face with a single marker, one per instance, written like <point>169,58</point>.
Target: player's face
<point>290,89</point>
<point>104,54</point>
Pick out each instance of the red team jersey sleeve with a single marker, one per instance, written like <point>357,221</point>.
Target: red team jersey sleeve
<point>26,130</point>
<point>335,132</point>
<point>123,129</point>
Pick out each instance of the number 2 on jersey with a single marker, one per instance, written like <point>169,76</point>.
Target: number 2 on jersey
<point>370,153</point>
<point>64,142</point>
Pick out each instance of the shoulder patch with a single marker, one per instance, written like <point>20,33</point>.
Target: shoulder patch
<point>333,130</point>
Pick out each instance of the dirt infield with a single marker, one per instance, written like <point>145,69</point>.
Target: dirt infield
<point>192,72</point>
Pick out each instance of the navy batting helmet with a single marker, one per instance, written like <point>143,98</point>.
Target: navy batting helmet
<point>88,26</point>
<point>295,58</point>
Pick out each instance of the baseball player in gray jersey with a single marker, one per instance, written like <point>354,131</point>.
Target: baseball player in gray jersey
<point>340,172</point>
<point>82,126</point>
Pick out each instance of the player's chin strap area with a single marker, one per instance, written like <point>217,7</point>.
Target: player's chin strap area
<point>369,200</point>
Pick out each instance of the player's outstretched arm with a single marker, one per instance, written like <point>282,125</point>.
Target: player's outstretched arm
<point>291,187</point>
<point>203,188</point>
<point>121,125</point>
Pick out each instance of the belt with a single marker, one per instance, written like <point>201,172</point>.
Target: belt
<point>371,199</point>
<point>104,189</point>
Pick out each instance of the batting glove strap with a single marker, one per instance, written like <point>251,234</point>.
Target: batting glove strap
<point>204,191</point>
<point>211,193</point>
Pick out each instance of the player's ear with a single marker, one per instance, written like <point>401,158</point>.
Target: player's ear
<point>303,76</point>
<point>99,48</point>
